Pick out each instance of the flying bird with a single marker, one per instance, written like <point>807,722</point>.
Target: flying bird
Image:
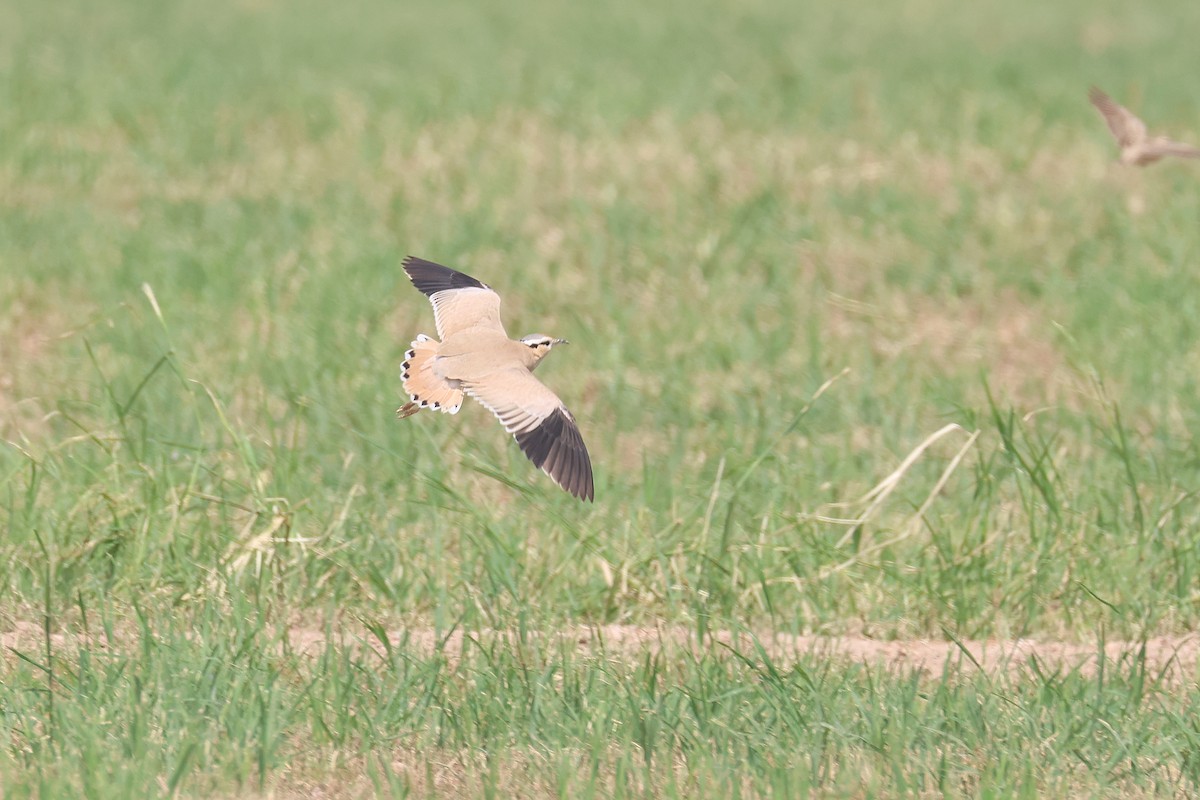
<point>1137,146</point>
<point>476,357</point>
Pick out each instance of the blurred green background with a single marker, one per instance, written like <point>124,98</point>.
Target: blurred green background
<point>724,206</point>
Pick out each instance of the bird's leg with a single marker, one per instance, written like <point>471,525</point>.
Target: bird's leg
<point>407,410</point>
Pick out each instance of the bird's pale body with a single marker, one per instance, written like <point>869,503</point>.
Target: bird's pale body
<point>474,353</point>
<point>1155,149</point>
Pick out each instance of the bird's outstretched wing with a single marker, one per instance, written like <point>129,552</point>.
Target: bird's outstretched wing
<point>540,423</point>
<point>459,301</point>
<point>1167,147</point>
<point>1126,128</point>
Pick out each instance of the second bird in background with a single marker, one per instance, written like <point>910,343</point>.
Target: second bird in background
<point>1138,147</point>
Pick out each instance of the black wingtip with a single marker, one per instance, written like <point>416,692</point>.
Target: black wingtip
<point>556,447</point>
<point>431,278</point>
<point>1101,98</point>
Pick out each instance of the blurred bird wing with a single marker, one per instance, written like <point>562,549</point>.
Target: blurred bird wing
<point>459,301</point>
<point>1168,147</point>
<point>1125,126</point>
<point>541,424</point>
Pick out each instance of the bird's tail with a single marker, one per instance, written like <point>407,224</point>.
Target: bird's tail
<point>425,389</point>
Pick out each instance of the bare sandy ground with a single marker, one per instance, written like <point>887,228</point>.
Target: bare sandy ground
<point>1174,658</point>
<point>1168,655</point>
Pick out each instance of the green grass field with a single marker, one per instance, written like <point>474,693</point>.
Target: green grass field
<point>802,253</point>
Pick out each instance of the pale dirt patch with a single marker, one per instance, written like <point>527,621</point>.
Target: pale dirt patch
<point>1171,656</point>
<point>514,772</point>
<point>517,774</point>
<point>1175,657</point>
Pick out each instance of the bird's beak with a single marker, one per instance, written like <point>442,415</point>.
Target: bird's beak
<point>561,341</point>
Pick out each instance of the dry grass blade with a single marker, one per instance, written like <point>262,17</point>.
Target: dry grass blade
<point>876,497</point>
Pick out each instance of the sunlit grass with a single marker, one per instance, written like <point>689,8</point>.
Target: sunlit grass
<point>870,336</point>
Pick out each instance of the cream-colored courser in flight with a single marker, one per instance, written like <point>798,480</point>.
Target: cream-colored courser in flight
<point>476,356</point>
<point>1137,146</point>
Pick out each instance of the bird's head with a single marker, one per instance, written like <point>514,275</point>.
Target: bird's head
<point>538,345</point>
